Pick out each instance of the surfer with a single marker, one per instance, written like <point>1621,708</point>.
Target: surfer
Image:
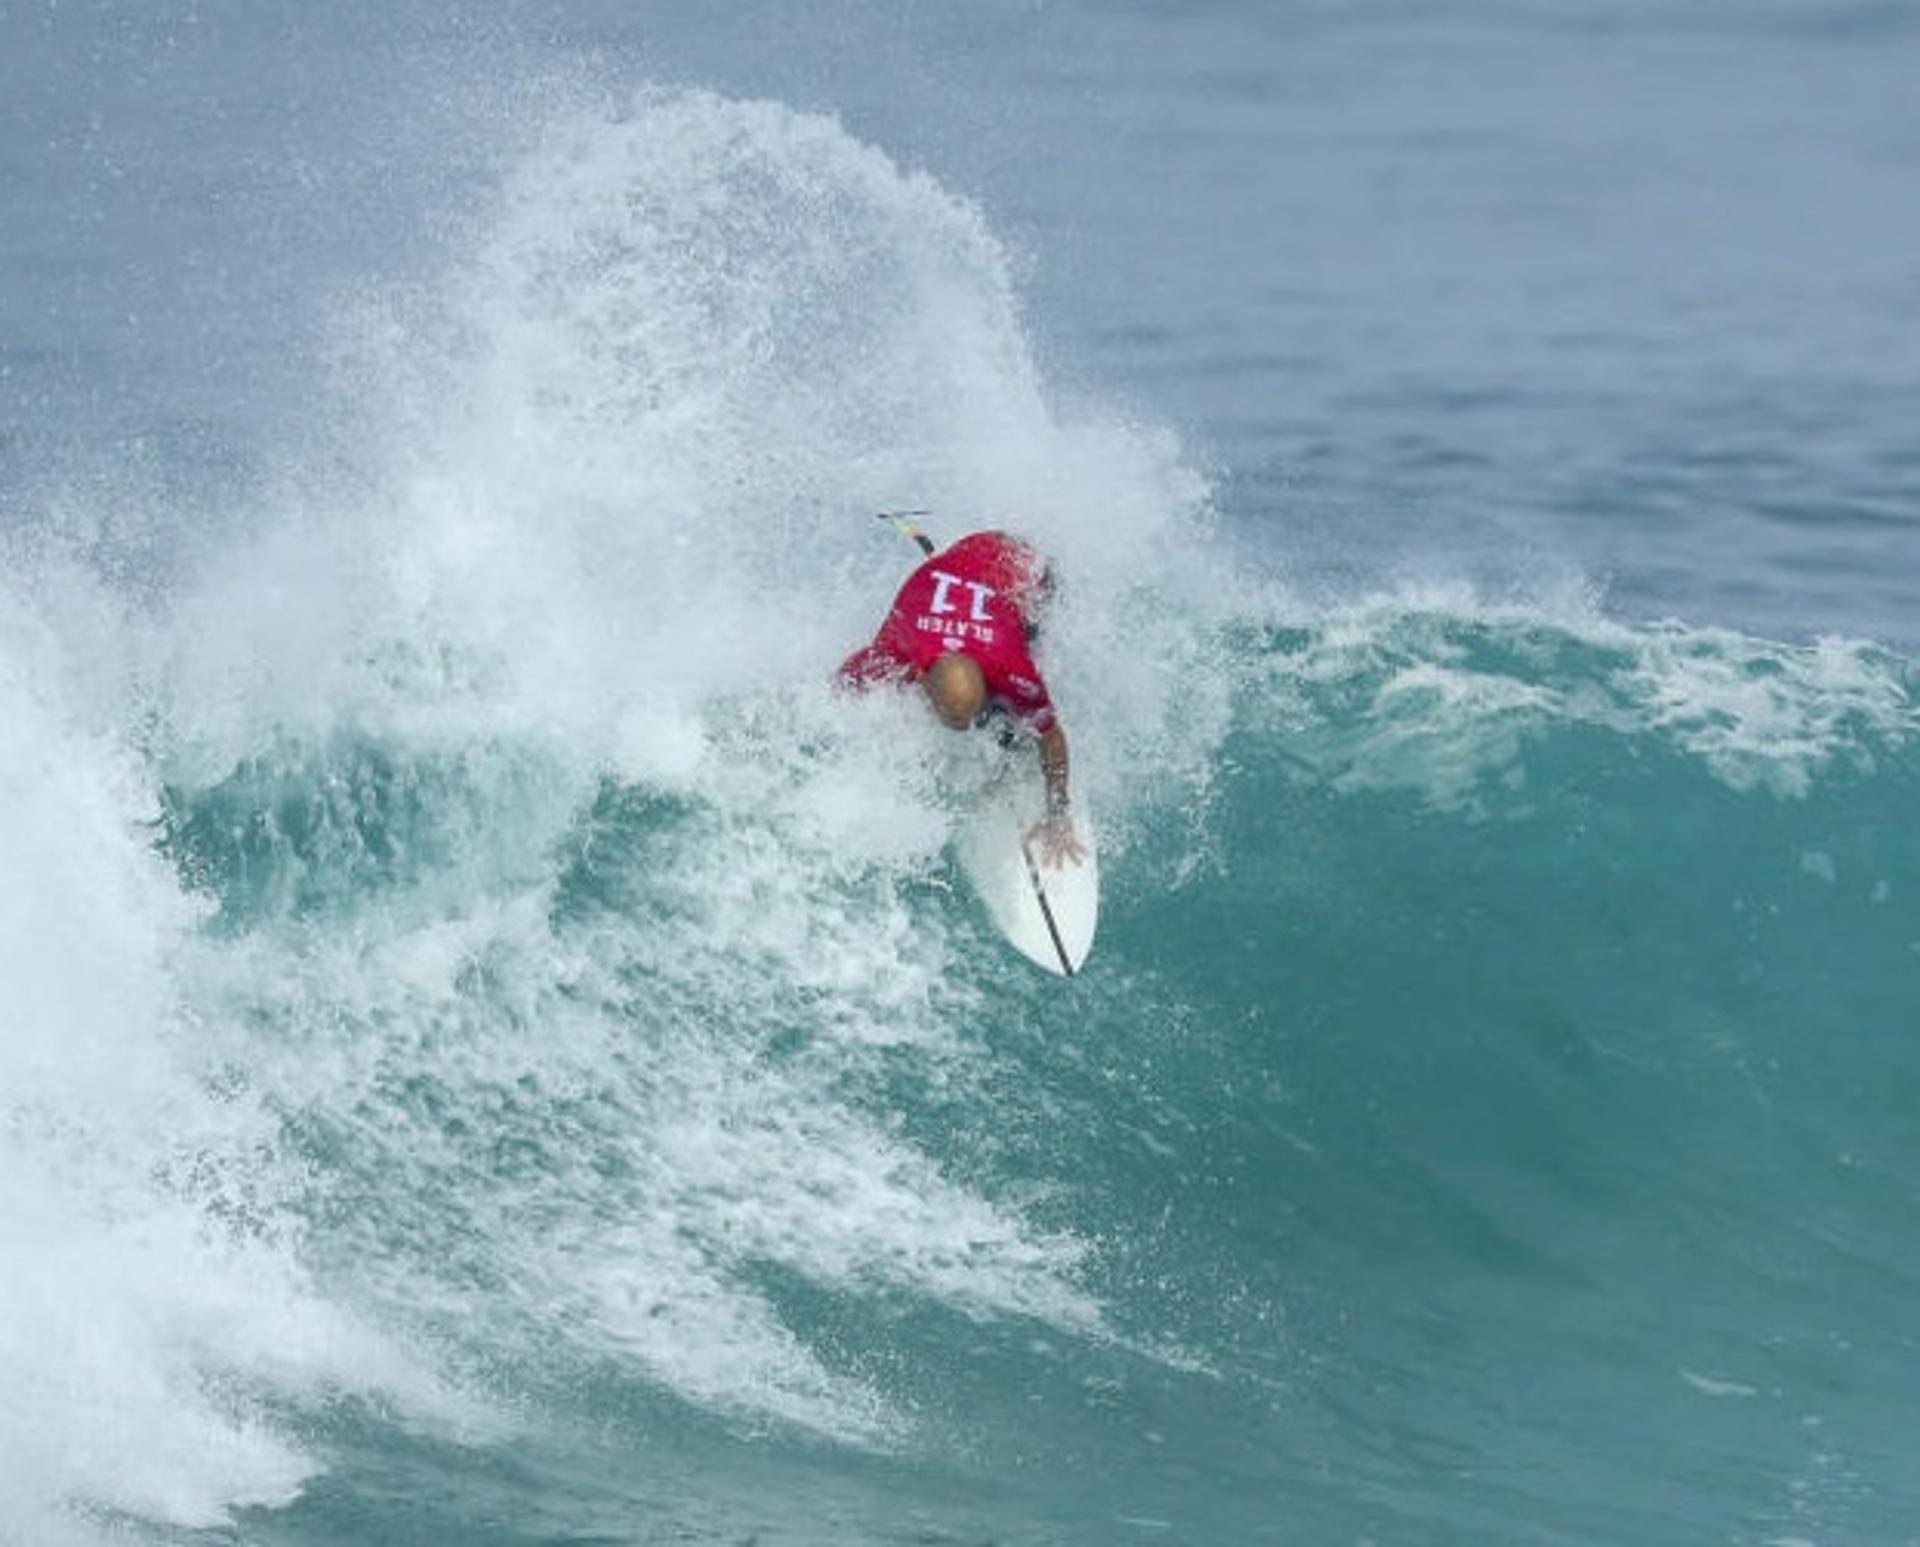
<point>962,626</point>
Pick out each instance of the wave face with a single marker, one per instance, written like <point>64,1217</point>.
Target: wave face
<point>500,1051</point>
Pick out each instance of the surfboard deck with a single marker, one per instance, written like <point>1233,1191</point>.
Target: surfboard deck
<point>1048,913</point>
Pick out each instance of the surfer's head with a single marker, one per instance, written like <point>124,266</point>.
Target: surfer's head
<point>956,689</point>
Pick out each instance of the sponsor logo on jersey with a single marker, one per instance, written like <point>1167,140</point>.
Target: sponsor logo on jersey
<point>957,630</point>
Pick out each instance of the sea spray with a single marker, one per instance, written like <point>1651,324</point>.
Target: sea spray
<point>579,937</point>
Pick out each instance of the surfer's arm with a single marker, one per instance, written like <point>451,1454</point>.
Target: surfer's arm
<point>1053,765</point>
<point>1058,841</point>
<point>866,666</point>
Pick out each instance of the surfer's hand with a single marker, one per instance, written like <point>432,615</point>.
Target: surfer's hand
<point>1056,841</point>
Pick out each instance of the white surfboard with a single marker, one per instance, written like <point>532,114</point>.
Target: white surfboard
<point>1047,912</point>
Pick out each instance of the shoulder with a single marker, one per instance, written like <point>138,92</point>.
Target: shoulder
<point>1012,674</point>
<point>1000,559</point>
<point>971,551</point>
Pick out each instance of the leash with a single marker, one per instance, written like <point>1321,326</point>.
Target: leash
<point>903,522</point>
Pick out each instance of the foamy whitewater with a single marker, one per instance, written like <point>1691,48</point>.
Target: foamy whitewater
<point>496,1048</point>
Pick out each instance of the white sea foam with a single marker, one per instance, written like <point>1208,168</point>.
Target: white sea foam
<point>1440,691</point>
<point>151,1300</point>
<point>1717,1386</point>
<point>1763,714</point>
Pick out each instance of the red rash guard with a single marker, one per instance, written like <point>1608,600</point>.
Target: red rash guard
<point>976,597</point>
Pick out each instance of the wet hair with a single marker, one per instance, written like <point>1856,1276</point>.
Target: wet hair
<point>957,688</point>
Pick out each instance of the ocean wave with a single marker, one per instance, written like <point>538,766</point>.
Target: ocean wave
<point>464,957</point>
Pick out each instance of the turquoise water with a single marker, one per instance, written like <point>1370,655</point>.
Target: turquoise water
<point>1489,1120</point>
<point>493,1049</point>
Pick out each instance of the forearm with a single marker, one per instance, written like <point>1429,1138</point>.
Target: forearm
<point>1053,766</point>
